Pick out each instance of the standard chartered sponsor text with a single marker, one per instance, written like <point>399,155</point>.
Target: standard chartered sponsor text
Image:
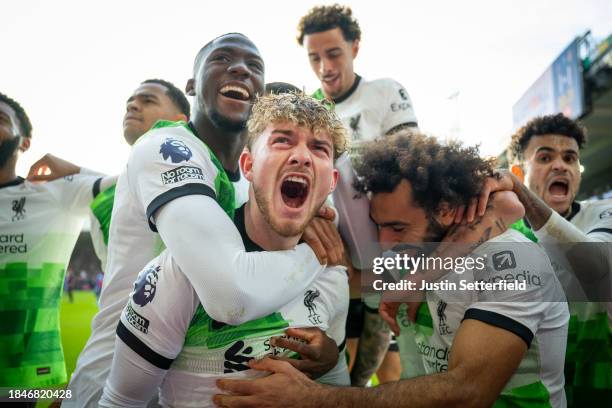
<point>13,244</point>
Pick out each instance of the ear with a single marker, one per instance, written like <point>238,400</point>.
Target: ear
<point>181,117</point>
<point>246,164</point>
<point>25,144</point>
<point>518,172</point>
<point>334,183</point>
<point>446,214</point>
<point>355,48</point>
<point>190,87</point>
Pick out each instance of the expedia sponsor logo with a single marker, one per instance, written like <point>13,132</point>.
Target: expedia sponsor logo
<point>523,276</point>
<point>504,260</point>
<point>182,173</point>
<point>436,358</point>
<point>402,106</point>
<point>136,321</point>
<point>13,244</point>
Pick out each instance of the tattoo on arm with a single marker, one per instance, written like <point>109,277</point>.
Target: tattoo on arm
<point>373,345</point>
<point>536,210</point>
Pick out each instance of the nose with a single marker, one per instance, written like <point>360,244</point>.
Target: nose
<point>386,239</point>
<point>300,156</point>
<point>324,66</point>
<point>239,68</point>
<point>132,106</point>
<point>559,164</point>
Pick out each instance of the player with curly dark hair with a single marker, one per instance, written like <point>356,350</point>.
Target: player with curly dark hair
<point>545,154</point>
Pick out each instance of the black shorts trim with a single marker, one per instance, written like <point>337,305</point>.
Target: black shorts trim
<point>96,187</point>
<point>501,321</point>
<point>142,349</point>
<point>176,192</point>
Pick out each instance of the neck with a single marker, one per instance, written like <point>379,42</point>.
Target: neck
<point>260,231</point>
<point>343,94</point>
<point>7,172</point>
<point>227,145</point>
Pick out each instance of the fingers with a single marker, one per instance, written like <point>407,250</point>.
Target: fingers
<point>413,310</point>
<point>327,213</point>
<point>331,240</point>
<point>303,349</point>
<point>388,312</point>
<point>244,387</point>
<point>484,197</point>
<point>311,238</point>
<point>307,334</point>
<point>274,366</point>
<point>305,366</point>
<point>471,211</point>
<point>459,214</point>
<point>234,401</point>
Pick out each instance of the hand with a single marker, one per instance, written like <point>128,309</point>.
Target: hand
<point>502,180</point>
<point>322,236</point>
<point>50,167</point>
<point>388,311</point>
<point>319,353</point>
<point>286,387</point>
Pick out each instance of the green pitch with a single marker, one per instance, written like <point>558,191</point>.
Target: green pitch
<point>75,320</point>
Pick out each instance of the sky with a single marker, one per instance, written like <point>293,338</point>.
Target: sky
<point>73,64</point>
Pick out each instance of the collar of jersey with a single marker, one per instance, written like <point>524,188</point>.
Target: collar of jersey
<point>16,182</point>
<point>348,93</point>
<point>233,176</point>
<point>249,245</point>
<point>575,208</point>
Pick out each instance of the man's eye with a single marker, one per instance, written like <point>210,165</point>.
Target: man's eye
<point>256,65</point>
<point>220,57</point>
<point>544,159</point>
<point>570,159</point>
<point>283,140</point>
<point>314,58</point>
<point>398,229</point>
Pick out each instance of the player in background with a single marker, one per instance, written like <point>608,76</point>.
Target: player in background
<point>176,192</point>
<point>39,226</point>
<point>292,143</point>
<point>153,100</point>
<point>369,109</point>
<point>480,348</point>
<point>577,235</point>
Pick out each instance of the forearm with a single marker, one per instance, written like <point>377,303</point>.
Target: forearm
<point>438,390</point>
<point>373,345</point>
<point>234,286</point>
<point>536,210</point>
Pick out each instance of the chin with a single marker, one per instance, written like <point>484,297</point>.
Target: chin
<point>228,123</point>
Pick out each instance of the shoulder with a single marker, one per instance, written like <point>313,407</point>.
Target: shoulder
<point>600,209</point>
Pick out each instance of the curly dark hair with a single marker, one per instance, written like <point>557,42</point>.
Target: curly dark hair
<point>558,124</point>
<point>323,18</point>
<point>25,126</point>
<point>176,95</point>
<point>438,173</point>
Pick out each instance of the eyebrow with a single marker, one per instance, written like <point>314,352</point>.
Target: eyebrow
<point>232,50</point>
<point>388,223</point>
<point>142,95</point>
<point>283,131</point>
<point>551,150</point>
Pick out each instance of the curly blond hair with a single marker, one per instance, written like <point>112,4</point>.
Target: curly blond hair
<point>300,109</point>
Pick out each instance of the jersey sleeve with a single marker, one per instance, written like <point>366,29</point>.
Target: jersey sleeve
<point>398,106</point>
<point>156,318</point>
<point>169,163</point>
<point>521,312</point>
<point>600,227</point>
<point>77,192</point>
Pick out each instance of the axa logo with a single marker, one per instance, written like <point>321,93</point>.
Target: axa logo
<point>309,302</point>
<point>237,357</point>
<point>176,150</point>
<point>19,209</point>
<point>146,285</point>
<point>442,325</point>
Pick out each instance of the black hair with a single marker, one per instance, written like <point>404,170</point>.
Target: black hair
<point>281,88</point>
<point>206,49</point>
<point>25,126</point>
<point>323,18</point>
<point>176,95</point>
<point>558,124</point>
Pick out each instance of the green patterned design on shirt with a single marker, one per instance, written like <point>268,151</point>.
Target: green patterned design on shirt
<point>32,355</point>
<point>522,227</point>
<point>206,332</point>
<point>102,208</point>
<point>534,395</point>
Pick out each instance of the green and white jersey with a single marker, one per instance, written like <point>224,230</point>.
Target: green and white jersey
<point>371,108</point>
<point>39,226</point>
<point>589,345</point>
<point>166,325</point>
<point>168,162</point>
<point>530,314</point>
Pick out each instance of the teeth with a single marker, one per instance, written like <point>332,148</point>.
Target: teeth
<point>297,179</point>
<point>229,88</point>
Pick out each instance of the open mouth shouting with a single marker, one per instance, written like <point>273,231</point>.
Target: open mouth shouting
<point>295,190</point>
<point>558,188</point>
<point>237,92</point>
